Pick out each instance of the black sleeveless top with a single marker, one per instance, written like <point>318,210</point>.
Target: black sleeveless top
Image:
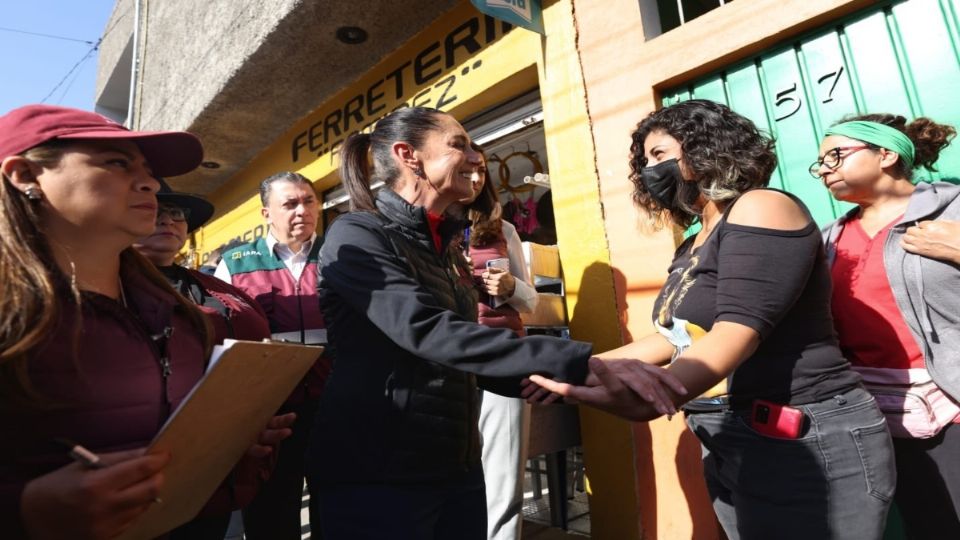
<point>775,282</point>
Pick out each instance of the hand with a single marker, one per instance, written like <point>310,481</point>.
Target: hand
<point>499,282</point>
<point>612,395</point>
<point>647,380</point>
<point>934,239</point>
<point>536,394</point>
<point>276,431</point>
<point>76,502</point>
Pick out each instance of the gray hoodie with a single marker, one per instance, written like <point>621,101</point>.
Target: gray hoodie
<point>927,290</point>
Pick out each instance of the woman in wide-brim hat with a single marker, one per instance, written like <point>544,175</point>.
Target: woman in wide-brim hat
<point>231,313</point>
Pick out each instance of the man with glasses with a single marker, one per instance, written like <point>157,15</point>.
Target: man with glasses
<point>280,273</point>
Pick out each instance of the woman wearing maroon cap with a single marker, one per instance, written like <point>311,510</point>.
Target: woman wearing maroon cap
<point>95,346</point>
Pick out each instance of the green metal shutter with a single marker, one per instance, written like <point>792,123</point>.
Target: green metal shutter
<point>903,58</point>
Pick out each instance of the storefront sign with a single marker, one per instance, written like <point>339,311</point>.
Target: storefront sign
<point>461,56</point>
<point>523,13</point>
<point>416,80</point>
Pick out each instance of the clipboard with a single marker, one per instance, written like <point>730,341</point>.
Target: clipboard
<point>215,425</point>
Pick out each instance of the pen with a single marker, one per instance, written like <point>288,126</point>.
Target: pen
<point>80,454</point>
<point>85,457</point>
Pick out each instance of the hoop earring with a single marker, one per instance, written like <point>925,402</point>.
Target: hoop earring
<point>33,193</point>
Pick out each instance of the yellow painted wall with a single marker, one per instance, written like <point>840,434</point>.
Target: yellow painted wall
<point>623,73</point>
<point>588,277</point>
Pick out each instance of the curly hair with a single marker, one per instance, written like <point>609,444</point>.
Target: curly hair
<point>929,139</point>
<point>724,151</point>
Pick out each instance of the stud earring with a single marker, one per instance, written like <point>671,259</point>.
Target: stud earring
<point>33,193</point>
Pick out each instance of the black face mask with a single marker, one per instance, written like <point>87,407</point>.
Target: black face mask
<point>662,181</point>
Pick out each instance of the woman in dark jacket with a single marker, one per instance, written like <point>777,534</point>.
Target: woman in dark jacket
<point>232,313</point>
<point>395,450</point>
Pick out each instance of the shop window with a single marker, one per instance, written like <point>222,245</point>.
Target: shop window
<point>661,16</point>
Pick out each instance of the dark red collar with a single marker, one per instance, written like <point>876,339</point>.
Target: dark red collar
<point>434,221</point>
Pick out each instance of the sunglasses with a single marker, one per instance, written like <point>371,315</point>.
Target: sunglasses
<point>175,213</point>
<point>833,159</point>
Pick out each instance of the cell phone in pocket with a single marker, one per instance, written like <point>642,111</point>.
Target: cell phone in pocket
<point>776,420</point>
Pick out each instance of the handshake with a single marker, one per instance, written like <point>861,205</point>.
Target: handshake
<point>628,388</point>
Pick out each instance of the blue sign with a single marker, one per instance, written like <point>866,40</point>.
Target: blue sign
<point>524,13</point>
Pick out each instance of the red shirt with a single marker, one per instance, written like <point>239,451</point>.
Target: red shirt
<point>871,328</point>
<point>434,221</point>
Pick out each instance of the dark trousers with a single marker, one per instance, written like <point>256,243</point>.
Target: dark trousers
<point>454,511</point>
<point>275,512</point>
<point>203,528</point>
<point>928,484</point>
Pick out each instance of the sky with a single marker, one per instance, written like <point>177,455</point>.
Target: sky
<point>38,69</point>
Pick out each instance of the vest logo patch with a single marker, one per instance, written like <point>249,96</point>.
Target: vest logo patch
<point>241,254</point>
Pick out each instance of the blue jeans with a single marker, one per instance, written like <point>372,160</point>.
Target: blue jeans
<point>835,481</point>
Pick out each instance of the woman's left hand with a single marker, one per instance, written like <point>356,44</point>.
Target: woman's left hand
<point>934,239</point>
<point>499,282</point>
<point>276,431</point>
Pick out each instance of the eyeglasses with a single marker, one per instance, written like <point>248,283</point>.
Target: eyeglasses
<point>832,159</point>
<point>174,212</point>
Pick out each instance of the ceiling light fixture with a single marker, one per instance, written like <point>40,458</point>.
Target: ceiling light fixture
<point>351,35</point>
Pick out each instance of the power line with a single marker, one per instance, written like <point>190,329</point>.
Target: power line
<point>73,79</point>
<point>75,66</point>
<point>89,53</point>
<point>51,36</point>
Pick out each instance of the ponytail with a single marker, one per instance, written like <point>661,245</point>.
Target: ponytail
<point>355,172</point>
<point>929,138</point>
<point>409,124</point>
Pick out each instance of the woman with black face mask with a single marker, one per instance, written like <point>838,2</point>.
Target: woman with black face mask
<point>793,446</point>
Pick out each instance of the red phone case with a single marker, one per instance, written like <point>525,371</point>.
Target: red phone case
<point>776,420</point>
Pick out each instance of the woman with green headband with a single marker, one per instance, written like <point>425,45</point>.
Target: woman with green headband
<point>895,263</point>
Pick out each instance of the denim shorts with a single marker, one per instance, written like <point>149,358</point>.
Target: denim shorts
<point>835,481</point>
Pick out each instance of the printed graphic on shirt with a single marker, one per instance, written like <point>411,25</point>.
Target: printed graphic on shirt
<point>680,332</point>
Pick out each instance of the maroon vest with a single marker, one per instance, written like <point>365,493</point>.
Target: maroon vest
<point>504,316</point>
<point>290,305</point>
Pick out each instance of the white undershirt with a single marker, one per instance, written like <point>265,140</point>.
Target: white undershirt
<point>295,262</point>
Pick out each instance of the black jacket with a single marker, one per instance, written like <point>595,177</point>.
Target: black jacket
<point>401,403</point>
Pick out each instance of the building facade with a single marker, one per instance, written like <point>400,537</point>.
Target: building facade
<point>278,85</point>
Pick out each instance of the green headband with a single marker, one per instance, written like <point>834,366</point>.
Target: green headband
<point>878,134</point>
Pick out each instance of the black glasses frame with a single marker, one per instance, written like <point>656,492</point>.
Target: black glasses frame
<point>832,159</point>
<point>176,213</point>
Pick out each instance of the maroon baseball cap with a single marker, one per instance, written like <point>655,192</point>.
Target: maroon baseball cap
<point>169,153</point>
